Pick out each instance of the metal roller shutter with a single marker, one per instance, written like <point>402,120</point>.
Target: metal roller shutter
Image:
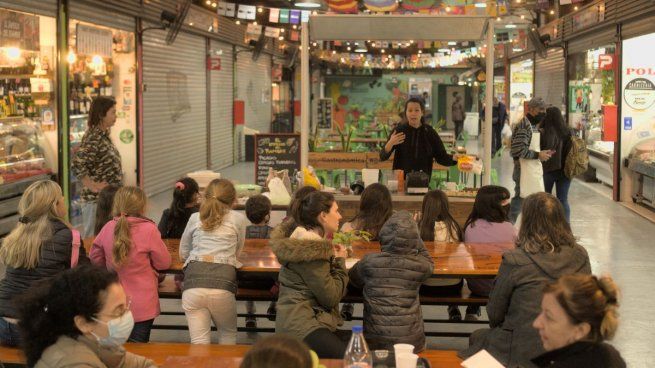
<point>638,28</point>
<point>40,7</point>
<point>550,78</point>
<point>253,82</point>
<point>221,82</point>
<point>599,38</point>
<point>174,109</point>
<point>91,14</point>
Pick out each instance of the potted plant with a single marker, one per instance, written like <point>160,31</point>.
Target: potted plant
<point>346,238</point>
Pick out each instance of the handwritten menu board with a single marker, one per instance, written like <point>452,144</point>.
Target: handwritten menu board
<point>278,151</point>
<point>324,113</point>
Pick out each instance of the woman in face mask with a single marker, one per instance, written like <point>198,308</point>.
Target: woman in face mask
<point>79,318</point>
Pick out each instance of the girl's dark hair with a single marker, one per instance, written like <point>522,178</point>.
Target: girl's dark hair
<point>183,193</point>
<point>99,107</point>
<point>435,208</point>
<point>488,205</point>
<point>554,124</point>
<point>310,207</point>
<point>278,351</point>
<point>420,102</point>
<point>300,193</point>
<point>375,208</point>
<point>47,310</point>
<point>104,207</point>
<point>544,228</point>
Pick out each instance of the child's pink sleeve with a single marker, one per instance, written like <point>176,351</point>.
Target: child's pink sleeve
<point>161,258</point>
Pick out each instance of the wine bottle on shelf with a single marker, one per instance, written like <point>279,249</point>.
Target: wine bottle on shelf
<point>2,89</point>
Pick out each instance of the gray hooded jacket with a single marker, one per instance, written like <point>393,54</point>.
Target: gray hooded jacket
<point>515,302</point>
<point>390,281</point>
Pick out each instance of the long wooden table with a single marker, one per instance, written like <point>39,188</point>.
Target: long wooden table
<point>451,260</point>
<point>225,356</point>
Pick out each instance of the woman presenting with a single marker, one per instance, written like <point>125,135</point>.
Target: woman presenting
<point>97,162</point>
<point>416,143</point>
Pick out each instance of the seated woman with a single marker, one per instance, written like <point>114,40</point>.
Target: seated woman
<point>578,313</point>
<point>313,277</point>
<point>81,318</point>
<point>394,300</point>
<point>545,251</point>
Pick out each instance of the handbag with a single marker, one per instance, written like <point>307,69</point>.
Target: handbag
<point>532,173</point>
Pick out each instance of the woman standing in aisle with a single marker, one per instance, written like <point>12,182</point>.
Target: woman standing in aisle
<point>416,143</point>
<point>556,137</point>
<point>97,163</point>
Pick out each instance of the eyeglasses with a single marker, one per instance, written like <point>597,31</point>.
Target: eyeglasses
<point>120,313</point>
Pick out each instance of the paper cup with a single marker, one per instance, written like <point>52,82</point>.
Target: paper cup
<point>406,360</point>
<point>392,185</point>
<point>370,176</point>
<point>400,349</point>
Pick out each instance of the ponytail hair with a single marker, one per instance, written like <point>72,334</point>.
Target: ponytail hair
<point>129,201</point>
<point>300,193</point>
<point>310,207</point>
<point>183,194</point>
<point>219,196</point>
<point>589,299</point>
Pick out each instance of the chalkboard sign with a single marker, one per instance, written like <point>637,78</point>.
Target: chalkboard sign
<point>324,113</point>
<point>278,151</point>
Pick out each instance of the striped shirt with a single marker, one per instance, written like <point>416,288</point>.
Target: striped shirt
<point>521,138</point>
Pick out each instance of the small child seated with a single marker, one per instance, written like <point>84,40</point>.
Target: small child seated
<point>258,211</point>
<point>185,203</point>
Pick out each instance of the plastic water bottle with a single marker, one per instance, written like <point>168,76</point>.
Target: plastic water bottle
<point>357,354</point>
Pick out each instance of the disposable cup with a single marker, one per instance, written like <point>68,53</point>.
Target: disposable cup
<point>392,185</point>
<point>370,176</point>
<point>406,360</point>
<point>399,349</point>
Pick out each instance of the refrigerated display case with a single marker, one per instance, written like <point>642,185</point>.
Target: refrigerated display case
<point>641,162</point>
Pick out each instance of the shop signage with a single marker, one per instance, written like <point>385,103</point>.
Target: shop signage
<point>588,17</point>
<point>639,93</point>
<point>93,40</point>
<point>606,62</point>
<point>213,63</point>
<point>19,30</point>
<point>277,151</point>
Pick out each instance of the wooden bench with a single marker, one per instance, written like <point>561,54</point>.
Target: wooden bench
<point>227,356</point>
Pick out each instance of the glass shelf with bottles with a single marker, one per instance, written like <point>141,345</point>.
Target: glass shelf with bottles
<point>78,124</point>
<point>21,151</point>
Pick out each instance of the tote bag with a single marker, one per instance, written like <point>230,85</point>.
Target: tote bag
<point>532,173</point>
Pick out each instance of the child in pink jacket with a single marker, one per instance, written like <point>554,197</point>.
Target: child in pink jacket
<point>131,245</point>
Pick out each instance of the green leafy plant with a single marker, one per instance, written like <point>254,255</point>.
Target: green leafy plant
<point>346,238</point>
<point>346,136</point>
<point>439,124</point>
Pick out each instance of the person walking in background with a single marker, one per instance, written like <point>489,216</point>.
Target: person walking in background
<point>131,244</point>
<point>520,149</point>
<point>556,137</point>
<point>458,114</point>
<point>97,163</point>
<point>498,122</point>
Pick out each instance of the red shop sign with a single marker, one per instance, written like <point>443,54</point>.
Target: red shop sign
<point>213,63</point>
<point>606,62</point>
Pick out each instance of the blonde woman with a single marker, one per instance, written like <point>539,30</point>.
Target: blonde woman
<point>210,244</point>
<point>131,245</point>
<point>39,247</point>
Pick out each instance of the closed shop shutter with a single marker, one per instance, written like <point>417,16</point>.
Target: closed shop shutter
<point>40,7</point>
<point>599,38</point>
<point>174,109</point>
<point>638,28</point>
<point>254,88</point>
<point>91,14</point>
<point>550,78</point>
<point>221,127</point>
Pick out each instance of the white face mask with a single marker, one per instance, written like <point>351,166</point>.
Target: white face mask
<point>119,330</point>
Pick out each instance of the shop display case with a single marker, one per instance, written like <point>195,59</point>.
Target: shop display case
<point>78,124</point>
<point>641,162</point>
<point>22,162</point>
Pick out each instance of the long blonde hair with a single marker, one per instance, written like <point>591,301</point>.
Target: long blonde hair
<point>129,201</point>
<point>37,206</point>
<point>219,196</point>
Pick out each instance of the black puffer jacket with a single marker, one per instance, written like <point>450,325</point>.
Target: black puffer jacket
<point>55,257</point>
<point>390,281</point>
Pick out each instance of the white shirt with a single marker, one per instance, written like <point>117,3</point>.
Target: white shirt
<point>221,245</point>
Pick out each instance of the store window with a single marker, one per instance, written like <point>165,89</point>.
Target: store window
<point>101,63</point>
<point>28,119</point>
<point>591,101</point>
<point>520,88</point>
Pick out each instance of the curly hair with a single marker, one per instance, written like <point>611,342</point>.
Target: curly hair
<point>47,310</point>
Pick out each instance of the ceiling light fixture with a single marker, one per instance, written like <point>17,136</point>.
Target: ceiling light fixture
<point>481,5</point>
<point>309,3</point>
